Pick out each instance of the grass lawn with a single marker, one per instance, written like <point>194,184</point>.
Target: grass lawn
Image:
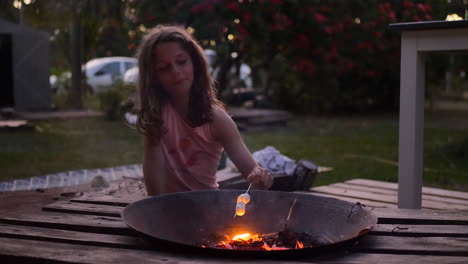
<point>69,144</point>
<point>367,147</point>
<point>354,146</point>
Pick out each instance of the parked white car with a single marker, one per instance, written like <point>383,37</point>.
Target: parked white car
<point>103,72</point>
<point>100,73</point>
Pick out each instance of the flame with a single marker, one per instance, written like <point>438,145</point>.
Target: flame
<point>274,247</point>
<point>266,247</point>
<point>244,236</point>
<point>247,238</point>
<point>299,244</point>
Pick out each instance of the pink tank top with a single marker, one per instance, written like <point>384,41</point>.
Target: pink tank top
<point>192,155</point>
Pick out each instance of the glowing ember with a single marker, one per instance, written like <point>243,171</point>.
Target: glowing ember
<point>284,240</point>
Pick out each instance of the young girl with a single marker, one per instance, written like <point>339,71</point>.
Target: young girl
<point>185,126</point>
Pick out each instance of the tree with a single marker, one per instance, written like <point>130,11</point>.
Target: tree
<point>80,30</point>
<point>315,55</point>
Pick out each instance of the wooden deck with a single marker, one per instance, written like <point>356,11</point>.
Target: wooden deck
<point>368,192</point>
<point>91,230</point>
<point>384,194</point>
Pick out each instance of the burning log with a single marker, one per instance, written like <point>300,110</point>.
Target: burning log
<point>283,240</point>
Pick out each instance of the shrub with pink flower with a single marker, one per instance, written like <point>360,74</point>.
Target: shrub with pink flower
<point>338,57</point>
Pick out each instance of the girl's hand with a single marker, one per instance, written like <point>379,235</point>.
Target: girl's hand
<point>260,178</point>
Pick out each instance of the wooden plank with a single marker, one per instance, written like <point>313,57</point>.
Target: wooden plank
<point>355,194</point>
<point>421,216</point>
<point>367,203</point>
<point>425,190</point>
<point>75,222</point>
<point>374,183</point>
<point>425,197</point>
<point>370,189</point>
<point>13,123</point>
<point>70,237</point>
<point>106,200</point>
<point>83,208</point>
<point>21,251</point>
<point>383,197</point>
<point>228,174</point>
<point>420,230</point>
<point>442,246</point>
<point>362,258</point>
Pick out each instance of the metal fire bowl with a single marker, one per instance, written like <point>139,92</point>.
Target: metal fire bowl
<point>181,220</point>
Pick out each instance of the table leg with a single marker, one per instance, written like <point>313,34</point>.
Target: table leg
<point>411,130</point>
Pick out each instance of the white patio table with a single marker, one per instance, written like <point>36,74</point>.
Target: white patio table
<point>417,40</point>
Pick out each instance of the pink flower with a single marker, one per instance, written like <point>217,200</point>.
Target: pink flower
<point>408,4</point>
<point>149,17</point>
<point>392,15</point>
<point>378,34</point>
<point>365,45</point>
<point>209,7</point>
<point>382,9</point>
<point>333,50</point>
<point>320,18</point>
<point>309,9</point>
<point>242,32</point>
<point>315,52</point>
<point>247,17</point>
<point>339,27</point>
<point>428,8</point>
<point>421,7</point>
<point>302,41</point>
<point>371,73</point>
<point>276,2</point>
<point>233,7</point>
<point>305,66</point>
<point>197,8</point>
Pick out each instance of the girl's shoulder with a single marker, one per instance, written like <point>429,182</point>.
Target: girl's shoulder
<point>219,113</point>
<point>222,124</point>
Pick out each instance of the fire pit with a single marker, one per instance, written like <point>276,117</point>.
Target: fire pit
<point>275,223</point>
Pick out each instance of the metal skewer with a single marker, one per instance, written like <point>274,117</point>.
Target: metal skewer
<point>250,185</point>
<point>289,215</point>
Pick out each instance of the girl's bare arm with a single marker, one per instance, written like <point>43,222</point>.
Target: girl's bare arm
<point>154,168</point>
<point>225,131</point>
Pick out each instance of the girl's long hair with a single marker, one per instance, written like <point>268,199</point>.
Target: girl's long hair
<point>152,95</point>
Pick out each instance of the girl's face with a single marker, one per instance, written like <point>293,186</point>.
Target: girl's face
<point>174,68</point>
